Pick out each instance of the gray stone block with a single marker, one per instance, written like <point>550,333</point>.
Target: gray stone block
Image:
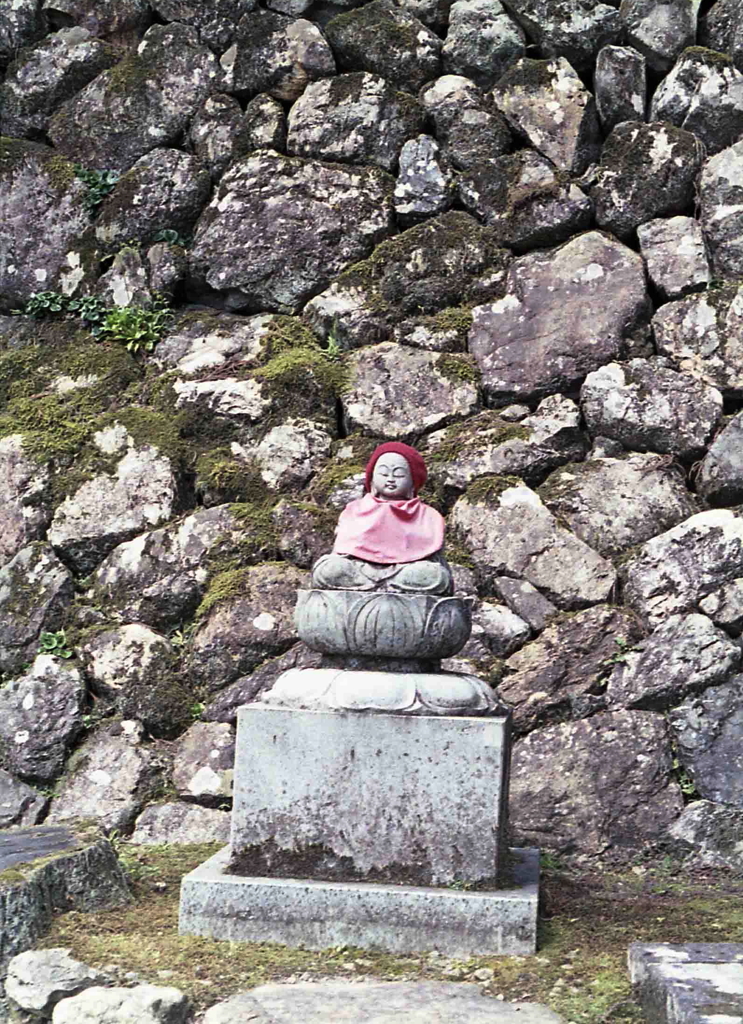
<point>689,983</point>
<point>393,918</point>
<point>370,797</point>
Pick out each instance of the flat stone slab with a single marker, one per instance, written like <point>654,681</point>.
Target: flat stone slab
<point>393,918</point>
<point>26,844</point>
<point>393,1002</point>
<point>690,983</point>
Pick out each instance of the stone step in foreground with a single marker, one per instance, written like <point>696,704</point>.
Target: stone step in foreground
<point>377,1002</point>
<point>690,983</point>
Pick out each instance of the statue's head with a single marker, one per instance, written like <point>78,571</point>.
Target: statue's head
<point>395,472</point>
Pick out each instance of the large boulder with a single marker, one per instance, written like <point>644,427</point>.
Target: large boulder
<point>35,590</point>
<point>721,214</point>
<point>288,454</point>
<point>19,804</point>
<point>647,171</point>
<point>518,341</point>
<point>720,476</point>
<point>568,28</point>
<point>508,531</point>
<point>525,200</point>
<point>725,607</point>
<point>132,668</point>
<point>43,77</point>
<point>685,654</point>
<point>703,94</point>
<point>109,779</point>
<point>226,704</point>
<point>247,616</point>
<point>465,123</point>
<point>703,335</point>
<point>488,444</point>
<point>672,572</point>
<point>24,500</point>
<point>181,823</point>
<point>546,102</point>
<point>121,22</point>
<point>217,132</point>
<point>614,503</point>
<point>203,759</point>
<point>709,729</point>
<point>164,190</point>
<point>278,229</point>
<point>425,183</point>
<point>416,275</point>
<point>39,186</point>
<point>596,787</point>
<point>159,577</point>
<point>562,674</point>
<point>277,55</point>
<point>21,23</point>
<point>707,835</point>
<point>386,40</point>
<point>660,29</point>
<point>395,391</point>
<point>721,29</point>
<point>620,81</point>
<point>675,255</point>
<point>482,41</point>
<point>144,101</point>
<point>215,21</point>
<point>40,717</point>
<point>204,339</point>
<point>111,508</point>
<point>357,119</point>
<point>647,406</point>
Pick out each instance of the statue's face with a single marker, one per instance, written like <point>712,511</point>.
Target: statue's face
<point>392,479</point>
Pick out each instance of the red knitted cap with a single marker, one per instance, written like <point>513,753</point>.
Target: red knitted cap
<point>417,466</point>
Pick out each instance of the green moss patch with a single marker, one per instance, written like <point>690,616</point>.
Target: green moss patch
<point>458,369</point>
<point>489,488</point>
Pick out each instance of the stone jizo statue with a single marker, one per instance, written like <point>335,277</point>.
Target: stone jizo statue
<point>389,539</point>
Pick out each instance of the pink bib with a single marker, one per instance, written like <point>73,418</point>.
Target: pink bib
<point>389,532</point>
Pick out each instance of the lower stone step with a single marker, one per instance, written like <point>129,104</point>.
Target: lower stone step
<point>689,983</point>
<point>394,918</point>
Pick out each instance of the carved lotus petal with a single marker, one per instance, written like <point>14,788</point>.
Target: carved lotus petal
<point>321,621</point>
<point>377,691</point>
<point>449,625</point>
<point>449,693</point>
<point>385,625</point>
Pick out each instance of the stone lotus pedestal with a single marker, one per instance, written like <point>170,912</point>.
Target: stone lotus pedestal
<point>371,796</point>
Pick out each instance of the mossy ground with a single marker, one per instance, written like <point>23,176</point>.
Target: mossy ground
<point>587,921</point>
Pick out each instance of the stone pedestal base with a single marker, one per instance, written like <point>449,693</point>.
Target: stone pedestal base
<point>393,918</point>
<point>345,796</point>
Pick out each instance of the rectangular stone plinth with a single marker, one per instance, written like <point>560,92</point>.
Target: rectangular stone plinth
<point>393,918</point>
<point>342,796</point>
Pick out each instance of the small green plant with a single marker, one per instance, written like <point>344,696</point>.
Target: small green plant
<point>138,328</point>
<point>196,710</point>
<point>56,644</point>
<point>549,861</point>
<point>89,308</point>
<point>43,304</point>
<point>99,185</point>
<point>172,237</point>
